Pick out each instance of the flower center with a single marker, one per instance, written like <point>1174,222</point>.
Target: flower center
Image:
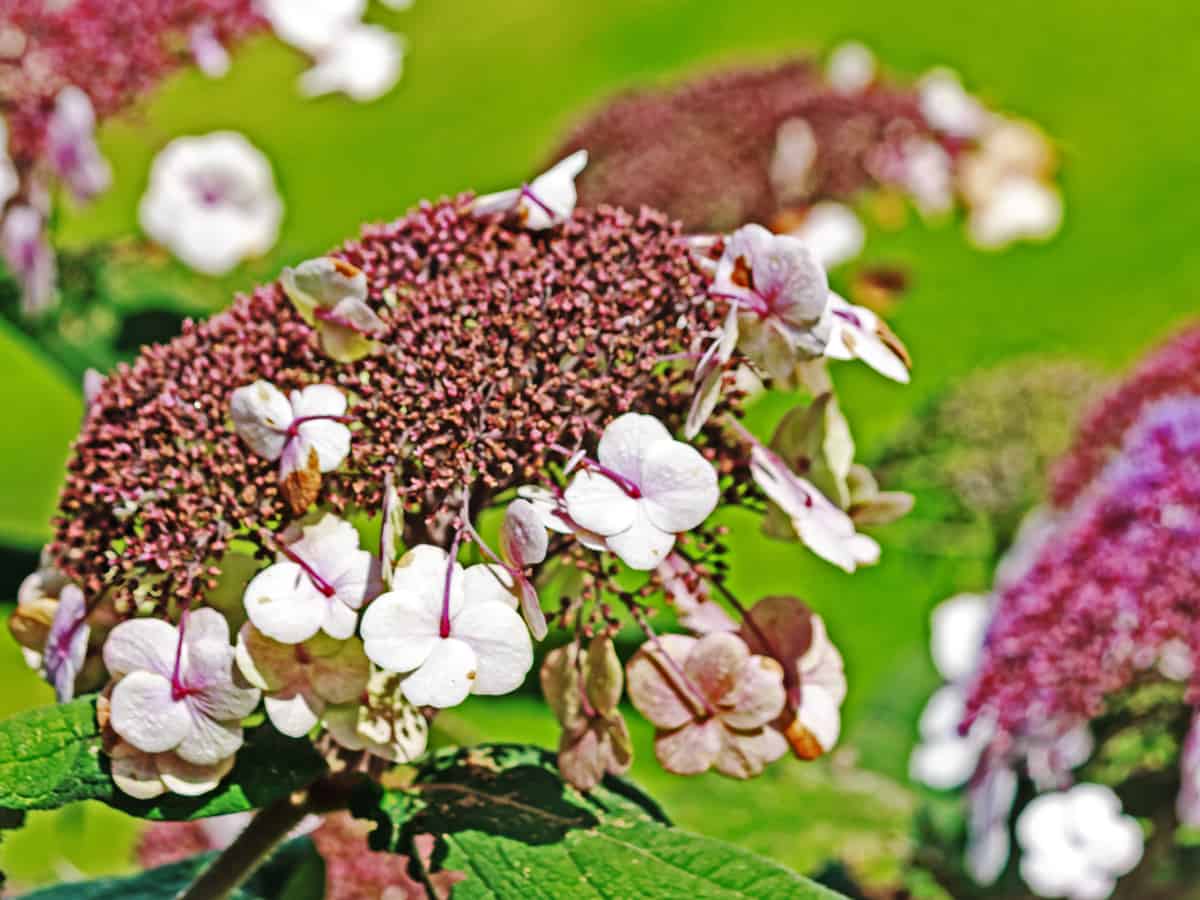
<point>179,689</point>
<point>294,428</point>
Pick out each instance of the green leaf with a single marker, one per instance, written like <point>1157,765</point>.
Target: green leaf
<point>271,881</point>
<point>51,756</point>
<point>503,814</point>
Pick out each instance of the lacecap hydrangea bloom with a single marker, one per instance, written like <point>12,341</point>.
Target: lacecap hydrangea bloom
<point>282,505</point>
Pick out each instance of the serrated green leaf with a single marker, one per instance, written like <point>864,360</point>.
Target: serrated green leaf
<point>51,756</point>
<point>504,815</point>
<point>271,881</point>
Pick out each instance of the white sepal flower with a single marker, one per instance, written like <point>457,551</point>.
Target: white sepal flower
<point>319,582</point>
<point>818,522</point>
<point>364,63</point>
<point>212,201</point>
<point>783,297</point>
<point>299,681</point>
<point>646,488</point>
<point>1018,208</point>
<point>71,145</point>
<point>547,201</point>
<point>331,295</point>
<point>1077,843</point>
<point>947,106</point>
<point>174,688</point>
<point>857,333</point>
<point>833,232</point>
<point>312,25</point>
<point>851,67</point>
<point>710,374</point>
<point>453,632</point>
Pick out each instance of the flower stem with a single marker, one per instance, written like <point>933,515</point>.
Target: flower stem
<point>444,627</point>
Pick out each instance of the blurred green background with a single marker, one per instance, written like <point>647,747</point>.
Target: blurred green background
<point>487,93</point>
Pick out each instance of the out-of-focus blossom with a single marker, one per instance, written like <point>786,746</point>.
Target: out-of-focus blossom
<point>851,67</point>
<point>545,202</point>
<point>948,107</point>
<point>793,160</point>
<point>646,488</point>
<point>1077,843</point>
<point>927,175</point>
<point>583,688</point>
<point>833,232</point>
<point>37,603</point>
<point>711,702</point>
<point>383,722</point>
<point>1019,208</point>
<point>451,631</point>
<point>9,180</point>
<point>210,54</point>
<point>212,201</point>
<point>29,257</point>
<point>312,25</point>
<point>990,800</point>
<point>331,295</point>
<point>71,145</point>
<point>364,63</point>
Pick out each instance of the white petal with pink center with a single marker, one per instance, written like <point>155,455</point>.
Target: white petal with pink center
<point>547,201</point>
<point>293,431</point>
<point>856,333</point>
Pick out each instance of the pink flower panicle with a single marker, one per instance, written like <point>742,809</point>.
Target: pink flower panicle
<point>1118,580</point>
<point>115,52</point>
<point>703,152</point>
<point>498,343</point>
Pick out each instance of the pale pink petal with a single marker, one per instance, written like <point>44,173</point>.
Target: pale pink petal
<point>294,716</point>
<point>206,624</point>
<point>523,540</point>
<point>643,545</point>
<point>626,441</point>
<point>141,644</point>
<point>446,676</point>
<point>715,664</point>
<point>501,643</point>
<point>188,779</point>
<point>340,620</point>
<point>207,741</point>
<point>487,583</point>
<point>283,603</point>
<point>224,700</point>
<point>744,755</point>
<point>499,202</point>
<point>691,749</point>
<point>654,687</point>
<point>820,715</point>
<point>135,773</point>
<point>957,627</point>
<point>599,504</point>
<point>679,486</point>
<point>330,440</point>
<point>261,415</point>
<point>757,697</point>
<point>400,631</point>
<point>144,713</point>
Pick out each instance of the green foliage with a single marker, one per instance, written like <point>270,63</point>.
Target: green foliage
<point>503,814</point>
<point>51,756</point>
<point>277,879</point>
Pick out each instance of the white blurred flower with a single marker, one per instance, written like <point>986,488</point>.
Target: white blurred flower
<point>927,175</point>
<point>947,106</point>
<point>793,159</point>
<point>212,201</point>
<point>1077,843</point>
<point>990,800</point>
<point>9,180</point>
<point>363,62</point>
<point>29,257</point>
<point>71,145</point>
<point>1019,208</point>
<point>833,232</point>
<point>209,53</point>
<point>851,67</point>
<point>312,25</point>
<point>547,201</point>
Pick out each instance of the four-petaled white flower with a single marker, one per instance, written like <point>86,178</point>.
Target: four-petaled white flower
<point>29,257</point>
<point>782,295</point>
<point>1077,843</point>
<point>363,62</point>
<point>819,523</point>
<point>331,295</point>
<point>212,201</point>
<point>312,25</point>
<point>453,632</point>
<point>71,145</point>
<point>308,434</point>
<point>67,642</point>
<point>174,688</point>
<point>856,332</point>
<point>319,582</point>
<point>299,681</point>
<point>646,488</point>
<point>547,201</point>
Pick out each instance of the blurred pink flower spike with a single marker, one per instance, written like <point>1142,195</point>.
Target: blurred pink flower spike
<point>824,528</point>
<point>145,776</point>
<point>319,582</point>
<point>549,200</point>
<point>584,689</point>
<point>66,644</point>
<point>451,631</point>
<point>814,678</point>
<point>207,50</point>
<point>711,702</point>
<point>857,333</point>
<point>174,688</point>
<point>71,145</point>
<point>382,722</point>
<point>1077,843</point>
<point>782,295</point>
<point>363,62</point>
<point>331,295</point>
<point>299,681</point>
<point>308,434</point>
<point>523,543</point>
<point>646,488</point>
<point>29,257</point>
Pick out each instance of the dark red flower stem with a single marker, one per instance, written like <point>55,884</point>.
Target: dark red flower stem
<point>444,627</point>
<point>319,583</point>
